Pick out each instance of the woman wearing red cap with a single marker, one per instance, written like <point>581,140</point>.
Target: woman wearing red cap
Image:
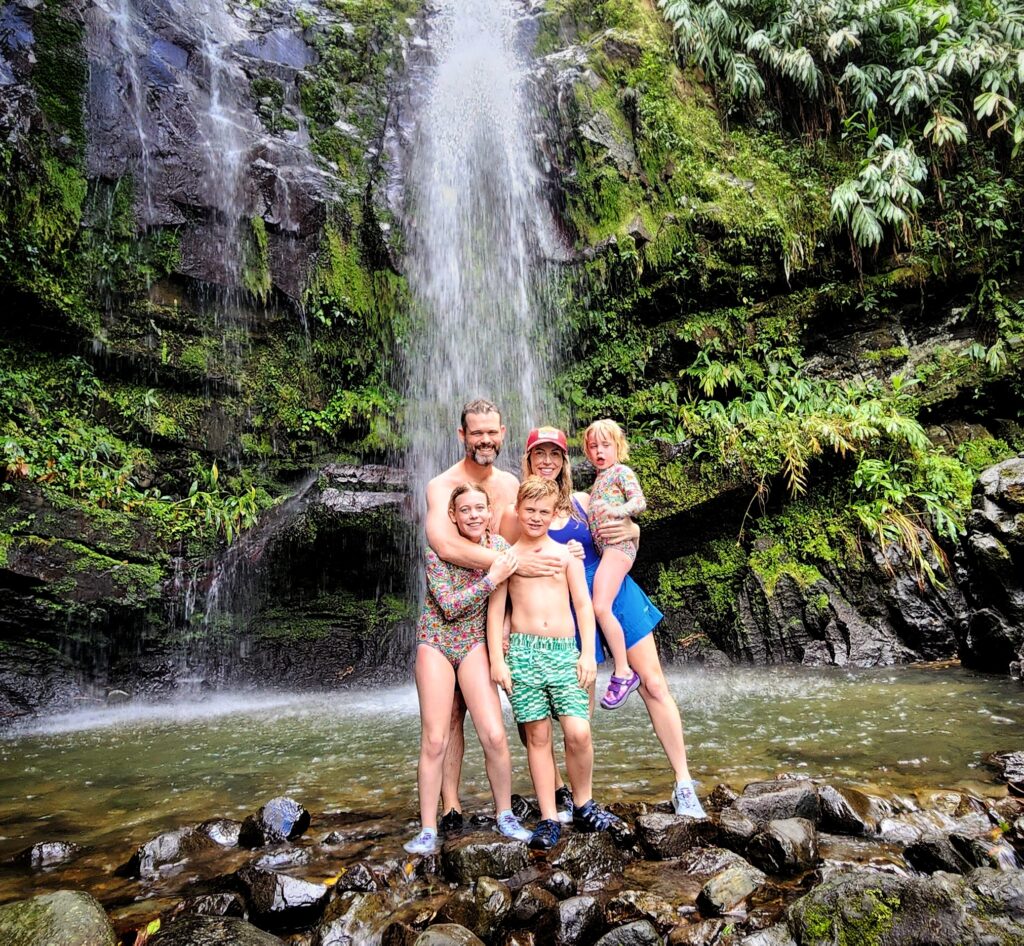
<point>547,455</point>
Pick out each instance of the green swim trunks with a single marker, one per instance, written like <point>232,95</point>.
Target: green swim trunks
<point>544,682</point>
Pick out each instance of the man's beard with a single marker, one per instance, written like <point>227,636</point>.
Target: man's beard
<point>474,454</point>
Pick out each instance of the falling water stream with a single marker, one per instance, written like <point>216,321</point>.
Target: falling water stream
<point>479,230</point>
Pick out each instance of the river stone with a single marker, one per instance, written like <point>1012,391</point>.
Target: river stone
<point>777,800</point>
<point>666,836</point>
<point>353,917</point>
<point>560,885</point>
<point>521,938</point>
<point>61,918</point>
<point>47,854</point>
<point>777,935</point>
<point>214,904</point>
<point>785,846</point>
<point>222,831</point>
<point>953,853</point>
<point>708,861</point>
<point>641,933</point>
<point>588,856</point>
<point>696,934</point>
<point>282,860</point>
<point>721,797</point>
<point>465,859</point>
<point>481,908</point>
<point>277,900</point>
<point>280,819</point>
<point>848,811</point>
<point>358,876</point>
<point>579,919</point>
<point>728,889</point>
<point>193,930</point>
<point>447,934</point>
<point>628,906</point>
<point>986,906</point>
<point>533,908</point>
<point>165,850</point>
<point>1010,765</point>
<point>735,829</point>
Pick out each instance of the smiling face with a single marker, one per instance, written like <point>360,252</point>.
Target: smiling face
<point>471,513</point>
<point>535,515</point>
<point>601,450</point>
<point>482,437</point>
<point>546,461</point>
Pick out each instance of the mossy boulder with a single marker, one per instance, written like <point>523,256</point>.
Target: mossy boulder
<point>62,918</point>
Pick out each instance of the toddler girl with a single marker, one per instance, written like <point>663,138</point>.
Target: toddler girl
<point>616,493</point>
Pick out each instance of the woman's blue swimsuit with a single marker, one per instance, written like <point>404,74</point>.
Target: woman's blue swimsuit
<point>637,614</point>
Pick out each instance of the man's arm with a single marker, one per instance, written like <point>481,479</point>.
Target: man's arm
<point>586,666</point>
<point>444,538</point>
<point>495,637</point>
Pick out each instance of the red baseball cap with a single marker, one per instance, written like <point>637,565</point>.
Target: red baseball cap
<point>541,435</point>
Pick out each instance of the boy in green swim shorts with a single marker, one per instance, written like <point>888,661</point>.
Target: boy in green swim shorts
<point>545,674</point>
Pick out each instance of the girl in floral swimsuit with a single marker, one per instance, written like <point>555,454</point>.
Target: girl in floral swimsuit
<point>451,636</point>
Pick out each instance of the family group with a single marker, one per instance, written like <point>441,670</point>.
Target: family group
<point>525,584</point>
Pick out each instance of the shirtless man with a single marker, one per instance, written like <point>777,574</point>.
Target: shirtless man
<point>545,674</point>
<point>481,432</point>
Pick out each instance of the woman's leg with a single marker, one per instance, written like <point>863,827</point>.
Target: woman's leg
<point>435,684</point>
<point>668,727</point>
<point>483,704</point>
<point>614,567</point>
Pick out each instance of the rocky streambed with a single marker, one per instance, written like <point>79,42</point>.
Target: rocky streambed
<point>785,861</point>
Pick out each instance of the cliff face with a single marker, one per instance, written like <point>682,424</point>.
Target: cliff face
<point>203,281</point>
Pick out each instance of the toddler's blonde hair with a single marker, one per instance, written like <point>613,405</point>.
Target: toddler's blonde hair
<point>613,432</point>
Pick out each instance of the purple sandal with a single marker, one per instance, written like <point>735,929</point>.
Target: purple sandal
<point>618,690</point>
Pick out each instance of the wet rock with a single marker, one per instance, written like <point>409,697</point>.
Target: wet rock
<point>942,910</point>
<point>777,935</point>
<point>954,853</point>
<point>214,904</point>
<point>641,933</point>
<point>194,930</point>
<point>667,836</point>
<point>465,859</point>
<point>786,846</point>
<point>721,797</point>
<point>780,799</point>
<point>1009,765</point>
<point>696,934</point>
<point>47,854</point>
<point>277,900</point>
<point>447,934</point>
<point>353,917</point>
<point>280,819</point>
<point>579,921</point>
<point>707,861</point>
<point>629,906</point>
<point>587,856</point>
<point>282,860</point>
<point>848,811</point>
<point>728,889</point>
<point>534,908</point>
<point>560,885</point>
<point>359,877</point>
<point>164,851</point>
<point>481,908</point>
<point>735,829</point>
<point>222,831</point>
<point>61,918</point>
<point>522,938</point>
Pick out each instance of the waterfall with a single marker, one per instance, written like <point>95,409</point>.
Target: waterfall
<point>479,232</point>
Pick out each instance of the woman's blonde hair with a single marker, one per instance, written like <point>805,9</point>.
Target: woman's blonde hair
<point>563,481</point>
<point>613,432</point>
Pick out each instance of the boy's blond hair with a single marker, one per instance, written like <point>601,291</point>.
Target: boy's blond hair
<point>536,487</point>
<point>613,432</point>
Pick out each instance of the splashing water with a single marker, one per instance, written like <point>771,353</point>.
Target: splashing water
<point>479,233</point>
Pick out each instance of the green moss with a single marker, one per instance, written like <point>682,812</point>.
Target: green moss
<point>713,574</point>
<point>61,71</point>
<point>5,543</point>
<point>865,923</point>
<point>984,452</point>
<point>879,355</point>
<point>256,268</point>
<point>774,561</point>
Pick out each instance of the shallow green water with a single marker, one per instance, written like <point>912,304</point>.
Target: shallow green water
<point>112,778</point>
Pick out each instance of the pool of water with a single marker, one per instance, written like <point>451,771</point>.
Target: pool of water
<point>111,778</point>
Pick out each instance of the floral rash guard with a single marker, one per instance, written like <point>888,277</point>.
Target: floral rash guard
<point>454,618</point>
<point>617,486</point>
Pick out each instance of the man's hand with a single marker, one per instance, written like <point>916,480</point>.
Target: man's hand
<point>614,531</point>
<point>539,564</point>
<point>501,676</point>
<point>586,671</point>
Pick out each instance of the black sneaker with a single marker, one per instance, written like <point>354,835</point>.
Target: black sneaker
<point>545,836</point>
<point>592,817</point>
<point>564,803</point>
<point>450,822</point>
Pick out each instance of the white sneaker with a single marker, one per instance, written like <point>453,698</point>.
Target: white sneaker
<point>685,800</point>
<point>510,826</point>
<point>424,843</point>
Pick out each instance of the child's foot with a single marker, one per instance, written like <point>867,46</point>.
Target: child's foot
<point>452,821</point>
<point>619,689</point>
<point>685,800</point>
<point>545,836</point>
<point>508,825</point>
<point>564,803</point>
<point>592,817</point>
<point>424,843</point>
